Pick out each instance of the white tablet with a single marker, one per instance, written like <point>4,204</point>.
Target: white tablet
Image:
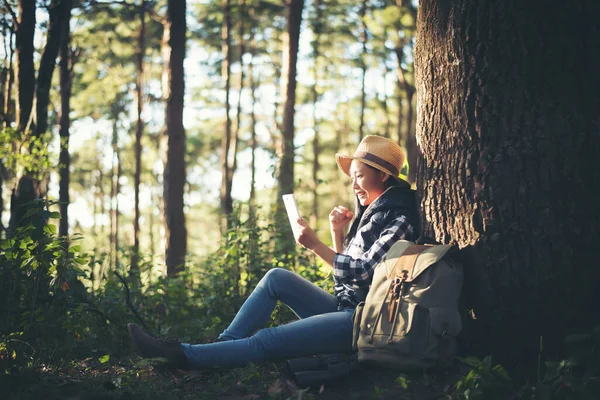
<point>292,211</point>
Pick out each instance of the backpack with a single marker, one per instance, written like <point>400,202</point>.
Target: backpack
<point>410,317</point>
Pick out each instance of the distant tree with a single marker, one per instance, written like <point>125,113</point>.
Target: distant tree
<point>509,139</point>
<point>317,25</point>
<point>227,153</point>
<point>174,43</point>
<point>67,60</point>
<point>364,38</point>
<point>139,130</point>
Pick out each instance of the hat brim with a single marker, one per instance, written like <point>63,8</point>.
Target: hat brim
<point>344,161</point>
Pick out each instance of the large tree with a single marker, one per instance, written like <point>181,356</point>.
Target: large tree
<point>174,40</point>
<point>507,126</point>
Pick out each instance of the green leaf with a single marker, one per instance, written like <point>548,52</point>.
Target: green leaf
<point>50,229</point>
<point>55,214</point>
<point>104,359</point>
<point>81,260</point>
<point>75,249</point>
<point>402,381</point>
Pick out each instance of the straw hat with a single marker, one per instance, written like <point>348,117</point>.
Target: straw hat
<point>378,152</point>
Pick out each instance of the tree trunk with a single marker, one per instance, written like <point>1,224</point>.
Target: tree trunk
<point>6,117</point>
<point>253,85</point>
<point>27,189</point>
<point>174,43</point>
<point>411,141</point>
<point>57,14</point>
<point>363,67</point>
<point>286,167</point>
<point>66,79</point>
<point>226,200</point>
<point>139,130</point>
<point>114,197</point>
<point>508,132</point>
<point>384,104</point>
<point>9,79</point>
<point>317,29</point>
<point>238,120</point>
<point>25,70</point>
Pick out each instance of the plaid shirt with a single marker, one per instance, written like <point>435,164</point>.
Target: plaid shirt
<point>353,271</point>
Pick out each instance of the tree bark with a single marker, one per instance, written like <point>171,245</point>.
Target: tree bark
<point>174,43</point>
<point>66,79</point>
<point>509,137</point>
<point>139,130</point>
<point>25,70</point>
<point>286,166</point>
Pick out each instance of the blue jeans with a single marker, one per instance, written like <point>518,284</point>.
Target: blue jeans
<point>320,328</point>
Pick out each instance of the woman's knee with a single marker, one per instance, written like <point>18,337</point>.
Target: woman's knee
<point>274,277</point>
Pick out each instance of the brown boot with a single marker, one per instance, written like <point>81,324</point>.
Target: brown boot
<point>150,347</point>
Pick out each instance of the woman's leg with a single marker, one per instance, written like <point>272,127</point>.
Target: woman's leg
<point>318,334</point>
<point>302,296</point>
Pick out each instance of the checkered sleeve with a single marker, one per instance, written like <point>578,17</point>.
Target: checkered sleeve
<point>359,270</point>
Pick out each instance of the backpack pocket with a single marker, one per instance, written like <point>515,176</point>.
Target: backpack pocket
<point>445,324</point>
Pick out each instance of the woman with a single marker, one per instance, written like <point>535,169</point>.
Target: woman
<point>385,213</point>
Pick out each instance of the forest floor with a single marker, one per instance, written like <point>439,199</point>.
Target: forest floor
<point>133,378</point>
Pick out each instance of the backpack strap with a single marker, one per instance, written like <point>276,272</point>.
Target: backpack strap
<point>407,261</point>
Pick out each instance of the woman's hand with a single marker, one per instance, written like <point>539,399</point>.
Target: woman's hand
<point>306,236</point>
<point>339,218</point>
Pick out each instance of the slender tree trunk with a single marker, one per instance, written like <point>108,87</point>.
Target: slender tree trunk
<point>114,197</point>
<point>286,167</point>
<point>411,140</point>
<point>57,14</point>
<point>226,200</point>
<point>174,43</point>
<point>6,117</point>
<point>508,169</point>
<point>9,79</point>
<point>25,70</point>
<point>363,67</point>
<point>139,93</point>
<point>384,104</point>
<point>235,138</point>
<point>317,29</point>
<point>66,77</point>
<point>253,85</point>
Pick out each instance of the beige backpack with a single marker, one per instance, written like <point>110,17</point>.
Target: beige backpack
<point>410,317</point>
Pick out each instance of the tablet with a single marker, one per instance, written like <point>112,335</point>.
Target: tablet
<point>292,211</point>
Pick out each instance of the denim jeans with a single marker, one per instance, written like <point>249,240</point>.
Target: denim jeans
<point>319,329</point>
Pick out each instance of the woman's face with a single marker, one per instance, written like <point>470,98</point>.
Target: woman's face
<point>368,183</point>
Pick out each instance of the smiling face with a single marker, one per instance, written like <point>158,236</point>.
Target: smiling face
<point>368,183</point>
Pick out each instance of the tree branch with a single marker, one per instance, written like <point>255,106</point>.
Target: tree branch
<point>128,301</point>
<point>9,9</point>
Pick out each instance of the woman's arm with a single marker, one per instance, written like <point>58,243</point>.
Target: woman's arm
<point>339,218</point>
<point>309,240</point>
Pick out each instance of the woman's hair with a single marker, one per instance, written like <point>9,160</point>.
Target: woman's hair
<point>359,209</point>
